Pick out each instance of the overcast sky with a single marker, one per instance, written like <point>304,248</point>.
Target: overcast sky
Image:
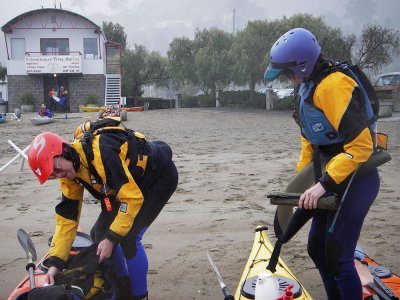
<point>154,23</point>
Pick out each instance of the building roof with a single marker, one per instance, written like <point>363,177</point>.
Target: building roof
<point>10,24</point>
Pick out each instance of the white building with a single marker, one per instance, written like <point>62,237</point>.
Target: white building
<point>3,90</point>
<point>55,51</point>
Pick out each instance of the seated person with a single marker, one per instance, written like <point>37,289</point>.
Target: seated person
<point>44,111</point>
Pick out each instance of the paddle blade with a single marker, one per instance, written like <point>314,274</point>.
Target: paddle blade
<point>214,267</point>
<point>364,274</point>
<point>27,244</point>
<point>367,280</point>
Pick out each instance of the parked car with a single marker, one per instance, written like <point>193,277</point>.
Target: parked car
<point>283,93</point>
<point>387,84</point>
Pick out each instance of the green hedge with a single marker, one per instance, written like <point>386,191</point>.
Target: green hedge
<point>241,99</point>
<point>232,99</point>
<point>198,101</point>
<point>155,103</point>
<point>286,103</point>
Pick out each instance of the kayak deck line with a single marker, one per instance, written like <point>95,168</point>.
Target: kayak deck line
<point>257,263</point>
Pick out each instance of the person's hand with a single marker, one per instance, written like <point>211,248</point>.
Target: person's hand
<point>104,249</point>
<point>309,199</point>
<point>53,271</point>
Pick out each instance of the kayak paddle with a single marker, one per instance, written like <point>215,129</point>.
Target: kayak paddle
<point>368,280</point>
<point>224,289</point>
<point>30,251</point>
<point>329,201</point>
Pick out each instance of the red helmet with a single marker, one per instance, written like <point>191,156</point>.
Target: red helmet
<point>42,150</point>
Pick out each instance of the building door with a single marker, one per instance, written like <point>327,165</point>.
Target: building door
<point>56,92</point>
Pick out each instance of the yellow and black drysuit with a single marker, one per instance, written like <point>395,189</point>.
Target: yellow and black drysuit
<point>335,129</point>
<point>133,179</point>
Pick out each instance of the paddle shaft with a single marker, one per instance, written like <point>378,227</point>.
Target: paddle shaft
<point>376,159</point>
<point>328,203</point>
<point>384,287</point>
<point>224,289</point>
<point>66,118</point>
<point>380,293</point>
<point>30,251</point>
<point>31,270</point>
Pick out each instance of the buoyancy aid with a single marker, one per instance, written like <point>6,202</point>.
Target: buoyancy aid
<point>313,122</point>
<point>137,155</point>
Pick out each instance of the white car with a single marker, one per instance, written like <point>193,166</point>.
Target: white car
<point>283,93</point>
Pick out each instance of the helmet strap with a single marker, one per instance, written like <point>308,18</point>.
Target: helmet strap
<point>70,154</point>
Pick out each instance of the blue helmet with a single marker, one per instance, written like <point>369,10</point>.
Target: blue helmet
<point>297,50</point>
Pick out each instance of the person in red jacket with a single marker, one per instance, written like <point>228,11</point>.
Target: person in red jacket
<point>44,111</point>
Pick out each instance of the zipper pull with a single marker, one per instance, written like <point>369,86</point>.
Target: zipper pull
<point>108,204</point>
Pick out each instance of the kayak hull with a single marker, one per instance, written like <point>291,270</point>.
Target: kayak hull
<point>41,120</point>
<point>257,263</point>
<point>81,241</point>
<point>391,280</point>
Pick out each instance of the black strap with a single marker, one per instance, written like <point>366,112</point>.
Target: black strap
<point>273,261</point>
<point>298,220</point>
<point>316,157</point>
<point>86,142</point>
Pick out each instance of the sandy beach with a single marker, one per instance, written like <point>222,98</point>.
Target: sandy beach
<point>227,161</point>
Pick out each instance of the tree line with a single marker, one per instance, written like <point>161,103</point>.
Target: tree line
<point>214,58</point>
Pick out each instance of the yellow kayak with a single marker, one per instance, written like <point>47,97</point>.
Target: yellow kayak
<point>257,263</point>
<point>91,108</point>
<point>99,108</point>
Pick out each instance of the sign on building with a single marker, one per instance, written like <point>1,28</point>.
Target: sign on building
<point>53,64</point>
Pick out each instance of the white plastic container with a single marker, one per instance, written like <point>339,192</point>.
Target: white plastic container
<point>267,287</point>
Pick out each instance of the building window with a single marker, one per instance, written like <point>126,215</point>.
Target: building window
<point>18,49</point>
<point>54,46</point>
<point>90,48</point>
<point>113,64</point>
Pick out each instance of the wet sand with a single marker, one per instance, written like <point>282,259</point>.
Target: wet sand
<point>228,161</point>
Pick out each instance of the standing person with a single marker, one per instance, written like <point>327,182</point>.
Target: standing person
<point>44,111</point>
<point>133,179</point>
<point>52,103</point>
<point>330,111</point>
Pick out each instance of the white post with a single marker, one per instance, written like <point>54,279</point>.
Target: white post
<point>21,153</point>
<point>178,101</point>
<point>218,95</point>
<point>269,100</point>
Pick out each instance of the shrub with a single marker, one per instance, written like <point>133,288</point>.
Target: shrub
<point>286,103</point>
<point>198,101</point>
<point>27,99</point>
<point>241,99</point>
<point>92,99</point>
<point>155,103</point>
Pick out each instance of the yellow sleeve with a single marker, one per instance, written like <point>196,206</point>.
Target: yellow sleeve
<point>305,154</point>
<point>131,199</point>
<point>356,152</point>
<point>334,96</point>
<point>67,218</point>
<point>115,165</point>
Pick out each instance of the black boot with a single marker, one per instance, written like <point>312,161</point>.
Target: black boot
<point>144,297</point>
<point>124,289</point>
